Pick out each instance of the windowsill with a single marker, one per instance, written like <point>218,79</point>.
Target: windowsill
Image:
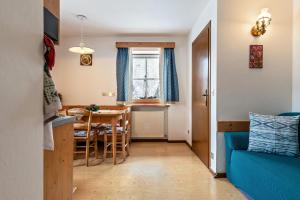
<point>146,101</point>
<point>149,103</point>
<point>158,105</point>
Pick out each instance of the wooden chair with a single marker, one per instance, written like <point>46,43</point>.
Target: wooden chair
<point>83,133</point>
<point>123,133</point>
<point>129,122</point>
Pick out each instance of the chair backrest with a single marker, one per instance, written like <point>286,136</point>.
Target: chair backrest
<point>126,119</point>
<point>83,119</point>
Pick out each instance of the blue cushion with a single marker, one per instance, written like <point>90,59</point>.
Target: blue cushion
<point>82,133</point>
<point>118,129</point>
<point>293,114</point>
<point>265,176</point>
<point>274,134</point>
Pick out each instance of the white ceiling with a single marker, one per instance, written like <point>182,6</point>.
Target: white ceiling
<point>130,17</point>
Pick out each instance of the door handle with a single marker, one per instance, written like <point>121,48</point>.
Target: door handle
<point>206,97</point>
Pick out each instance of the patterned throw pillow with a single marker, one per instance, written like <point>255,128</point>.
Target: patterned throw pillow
<point>274,134</point>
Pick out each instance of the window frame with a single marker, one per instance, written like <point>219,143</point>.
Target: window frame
<point>131,79</point>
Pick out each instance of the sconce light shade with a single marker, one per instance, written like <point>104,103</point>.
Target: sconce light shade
<point>264,14</point>
<point>108,94</point>
<point>263,21</point>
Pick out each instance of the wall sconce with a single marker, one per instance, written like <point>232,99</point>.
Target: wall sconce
<point>263,21</point>
<point>108,94</point>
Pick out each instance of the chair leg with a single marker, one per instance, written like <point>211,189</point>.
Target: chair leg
<point>129,135</point>
<point>105,146</point>
<point>128,141</point>
<point>96,146</point>
<point>74,146</point>
<point>124,146</point>
<point>128,144</point>
<point>87,152</point>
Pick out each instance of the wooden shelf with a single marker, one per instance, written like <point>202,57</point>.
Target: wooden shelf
<point>233,126</point>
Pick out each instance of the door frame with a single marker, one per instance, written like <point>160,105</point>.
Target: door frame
<point>208,26</point>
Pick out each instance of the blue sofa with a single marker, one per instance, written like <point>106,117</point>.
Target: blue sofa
<point>261,176</point>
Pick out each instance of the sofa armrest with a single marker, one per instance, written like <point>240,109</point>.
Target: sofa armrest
<point>237,140</point>
<point>234,141</point>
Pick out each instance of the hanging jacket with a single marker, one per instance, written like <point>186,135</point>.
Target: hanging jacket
<point>52,103</point>
<point>49,52</point>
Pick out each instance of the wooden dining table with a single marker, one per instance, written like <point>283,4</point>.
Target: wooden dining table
<point>108,117</point>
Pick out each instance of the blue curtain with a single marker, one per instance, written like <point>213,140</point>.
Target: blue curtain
<point>122,74</point>
<point>171,90</point>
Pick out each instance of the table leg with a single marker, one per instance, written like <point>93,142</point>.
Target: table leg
<point>114,146</point>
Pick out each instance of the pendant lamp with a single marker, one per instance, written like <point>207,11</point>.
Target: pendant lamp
<point>82,48</point>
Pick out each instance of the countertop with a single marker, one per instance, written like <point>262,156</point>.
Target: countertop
<point>62,120</point>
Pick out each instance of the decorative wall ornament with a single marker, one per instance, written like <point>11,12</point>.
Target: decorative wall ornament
<point>256,56</point>
<point>86,59</point>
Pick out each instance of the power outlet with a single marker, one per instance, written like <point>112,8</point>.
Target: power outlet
<point>212,155</point>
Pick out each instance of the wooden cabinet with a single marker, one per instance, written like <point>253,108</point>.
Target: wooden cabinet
<point>58,165</point>
<point>52,19</point>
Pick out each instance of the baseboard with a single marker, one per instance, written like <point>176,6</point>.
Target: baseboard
<point>149,140</point>
<point>176,141</point>
<point>218,175</point>
<point>158,140</point>
<point>190,146</point>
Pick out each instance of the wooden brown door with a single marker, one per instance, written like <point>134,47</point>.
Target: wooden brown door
<point>201,96</point>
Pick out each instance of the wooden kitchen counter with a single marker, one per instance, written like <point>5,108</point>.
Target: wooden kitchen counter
<point>58,164</point>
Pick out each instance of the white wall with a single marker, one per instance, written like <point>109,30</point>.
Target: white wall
<point>209,14</point>
<point>21,82</point>
<point>236,89</point>
<point>84,85</point>
<point>296,60</point>
<point>240,89</point>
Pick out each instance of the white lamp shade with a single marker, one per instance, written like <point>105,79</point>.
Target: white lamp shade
<point>81,50</point>
<point>264,14</point>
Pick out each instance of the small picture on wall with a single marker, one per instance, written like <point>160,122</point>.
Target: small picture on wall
<point>256,56</point>
<point>86,59</point>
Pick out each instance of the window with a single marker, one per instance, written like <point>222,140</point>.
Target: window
<point>146,74</point>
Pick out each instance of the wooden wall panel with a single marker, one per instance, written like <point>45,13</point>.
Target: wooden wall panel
<point>102,107</point>
<point>53,6</point>
<point>233,126</point>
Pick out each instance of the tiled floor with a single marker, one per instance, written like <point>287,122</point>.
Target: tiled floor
<point>154,171</point>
